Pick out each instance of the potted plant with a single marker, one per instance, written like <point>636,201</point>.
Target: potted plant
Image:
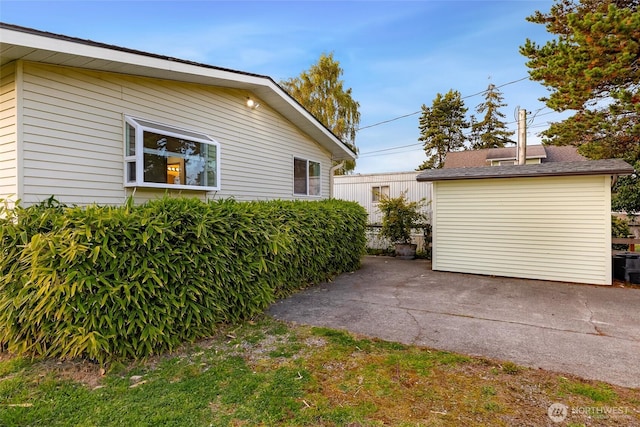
<point>399,216</point>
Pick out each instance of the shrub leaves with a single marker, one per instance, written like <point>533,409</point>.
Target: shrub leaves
<point>106,283</point>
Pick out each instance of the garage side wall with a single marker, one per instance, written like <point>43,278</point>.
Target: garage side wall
<point>549,228</point>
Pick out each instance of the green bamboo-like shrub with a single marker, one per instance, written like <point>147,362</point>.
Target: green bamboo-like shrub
<point>108,283</point>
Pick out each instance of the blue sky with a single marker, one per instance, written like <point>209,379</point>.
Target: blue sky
<point>396,56</point>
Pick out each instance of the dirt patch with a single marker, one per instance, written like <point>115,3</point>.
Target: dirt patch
<point>81,371</point>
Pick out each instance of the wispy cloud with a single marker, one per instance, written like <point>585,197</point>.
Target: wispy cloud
<point>396,56</point>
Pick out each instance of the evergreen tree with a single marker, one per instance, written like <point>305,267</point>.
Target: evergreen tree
<point>474,135</point>
<point>591,67</point>
<point>441,128</point>
<point>321,91</point>
<point>492,131</point>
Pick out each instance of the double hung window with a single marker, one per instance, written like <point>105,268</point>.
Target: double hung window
<point>161,156</point>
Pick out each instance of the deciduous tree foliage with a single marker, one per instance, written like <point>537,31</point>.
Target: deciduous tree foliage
<point>593,68</point>
<point>321,91</point>
<point>441,128</point>
<point>492,131</point>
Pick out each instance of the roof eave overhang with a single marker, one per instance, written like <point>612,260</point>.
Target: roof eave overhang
<point>32,45</point>
<point>611,167</point>
<point>538,175</point>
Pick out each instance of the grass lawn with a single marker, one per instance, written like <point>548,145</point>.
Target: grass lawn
<point>268,373</point>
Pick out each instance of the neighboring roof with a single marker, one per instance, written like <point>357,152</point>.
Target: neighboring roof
<point>510,153</point>
<point>479,158</point>
<point>40,46</point>
<point>590,167</point>
<point>564,153</point>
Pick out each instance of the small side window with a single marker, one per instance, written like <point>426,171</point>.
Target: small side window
<point>378,192</point>
<point>307,177</point>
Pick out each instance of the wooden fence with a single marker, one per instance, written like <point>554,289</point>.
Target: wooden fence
<point>632,242</point>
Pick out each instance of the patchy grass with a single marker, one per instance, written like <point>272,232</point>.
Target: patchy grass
<point>268,373</point>
<point>597,392</point>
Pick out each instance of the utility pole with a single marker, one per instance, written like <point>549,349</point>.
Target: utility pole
<point>522,137</point>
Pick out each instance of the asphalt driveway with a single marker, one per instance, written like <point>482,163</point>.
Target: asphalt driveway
<point>589,331</point>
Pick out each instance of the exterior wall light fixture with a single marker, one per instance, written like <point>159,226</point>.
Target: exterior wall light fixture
<point>252,104</point>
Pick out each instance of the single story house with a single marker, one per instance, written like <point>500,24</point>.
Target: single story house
<point>366,189</point>
<point>89,122</point>
<point>547,220</point>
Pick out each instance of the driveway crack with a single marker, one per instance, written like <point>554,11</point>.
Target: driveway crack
<point>590,320</point>
<point>418,337</point>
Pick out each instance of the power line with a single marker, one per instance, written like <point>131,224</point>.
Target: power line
<point>535,114</point>
<point>390,149</point>
<point>419,111</point>
<point>377,152</point>
<point>381,152</point>
<point>497,87</point>
<point>387,121</point>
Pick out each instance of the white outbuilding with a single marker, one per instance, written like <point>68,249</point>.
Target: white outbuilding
<point>366,189</point>
<point>549,221</point>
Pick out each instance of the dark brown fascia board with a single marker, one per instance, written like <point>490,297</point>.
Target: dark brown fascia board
<point>589,167</point>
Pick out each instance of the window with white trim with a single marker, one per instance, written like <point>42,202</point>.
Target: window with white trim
<point>306,177</point>
<point>162,156</point>
<point>378,192</point>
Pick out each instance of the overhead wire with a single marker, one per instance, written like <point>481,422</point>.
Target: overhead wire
<point>383,151</point>
<point>380,152</point>
<point>419,111</point>
<point>530,125</point>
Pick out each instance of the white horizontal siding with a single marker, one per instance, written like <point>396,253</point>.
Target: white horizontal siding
<point>359,188</point>
<point>8,134</point>
<point>73,135</point>
<point>257,146</point>
<point>541,228</point>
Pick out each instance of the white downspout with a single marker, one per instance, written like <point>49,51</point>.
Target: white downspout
<point>331,172</point>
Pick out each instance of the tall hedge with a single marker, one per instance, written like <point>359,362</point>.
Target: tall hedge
<point>127,282</point>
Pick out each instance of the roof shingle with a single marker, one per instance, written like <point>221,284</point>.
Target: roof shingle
<point>479,158</point>
<point>591,167</point>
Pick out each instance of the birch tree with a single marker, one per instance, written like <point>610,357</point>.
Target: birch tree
<point>321,91</point>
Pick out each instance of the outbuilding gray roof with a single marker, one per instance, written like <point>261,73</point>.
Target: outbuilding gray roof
<point>589,167</point>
